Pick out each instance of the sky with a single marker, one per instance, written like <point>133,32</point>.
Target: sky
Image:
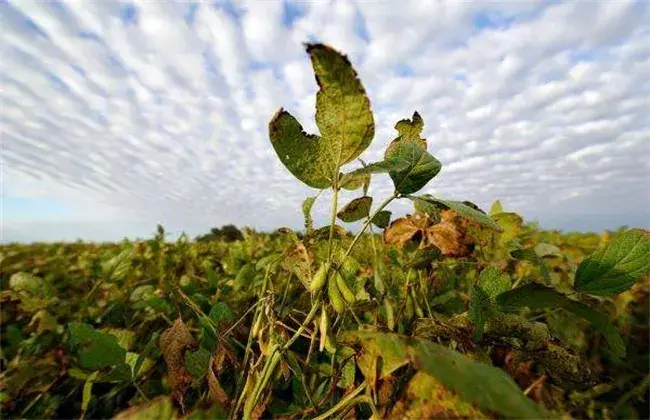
<point>117,116</point>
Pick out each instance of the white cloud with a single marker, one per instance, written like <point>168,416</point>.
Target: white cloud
<point>157,111</point>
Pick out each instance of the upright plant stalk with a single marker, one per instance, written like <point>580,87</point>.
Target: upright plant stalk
<point>272,361</point>
<point>368,221</point>
<point>335,202</point>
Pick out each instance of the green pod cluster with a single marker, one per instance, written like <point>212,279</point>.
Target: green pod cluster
<point>344,289</point>
<point>418,310</point>
<point>319,279</point>
<point>325,338</point>
<point>335,295</point>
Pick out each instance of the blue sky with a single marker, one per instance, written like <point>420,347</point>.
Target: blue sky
<point>117,116</point>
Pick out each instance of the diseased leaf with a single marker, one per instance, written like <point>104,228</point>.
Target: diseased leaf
<point>306,211</point>
<point>174,342</point>
<point>510,223</point>
<point>354,182</point>
<point>343,116</point>
<point>614,268</point>
<point>464,210</point>
<point>356,209</point>
<point>217,394</point>
<point>410,147</point>
<point>450,236</point>
<point>323,233</point>
<point>429,208</point>
<point>382,219</point>
<point>96,350</point>
<point>489,388</point>
<point>400,232</point>
<point>537,296</point>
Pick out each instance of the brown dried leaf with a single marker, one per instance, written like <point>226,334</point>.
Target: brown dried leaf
<point>297,261</point>
<point>174,341</point>
<point>217,394</point>
<point>450,236</point>
<point>400,232</point>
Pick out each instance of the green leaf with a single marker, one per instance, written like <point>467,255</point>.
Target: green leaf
<point>392,164</point>
<point>544,250</point>
<point>422,258</point>
<point>489,388</point>
<point>465,211</point>
<point>96,350</point>
<point>343,117</point>
<point>491,283</point>
<point>356,209</point>
<point>138,363</point>
<point>306,211</point>
<point>382,219</point>
<point>118,267</point>
<point>119,373</point>
<point>479,310</point>
<point>537,296</point>
<point>221,313</point>
<point>360,177</point>
<point>614,268</point>
<point>246,274</point>
<point>410,147</point>
<point>197,362</point>
<point>125,338</point>
<point>26,282</point>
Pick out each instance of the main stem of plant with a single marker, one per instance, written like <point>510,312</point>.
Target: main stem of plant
<point>274,357</point>
<point>368,221</point>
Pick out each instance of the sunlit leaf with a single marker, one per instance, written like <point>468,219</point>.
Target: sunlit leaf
<point>614,268</point>
<point>343,117</point>
<point>96,350</point>
<point>489,388</point>
<point>410,147</point>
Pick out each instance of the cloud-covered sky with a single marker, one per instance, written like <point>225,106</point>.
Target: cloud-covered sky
<point>117,116</point>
